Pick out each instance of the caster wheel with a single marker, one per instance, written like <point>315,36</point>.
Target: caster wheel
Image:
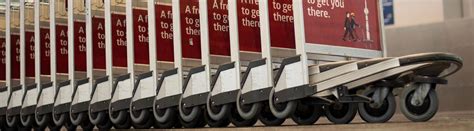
<point>197,122</point>
<point>126,125</point>
<point>43,120</point>
<point>27,121</point>
<point>86,125</point>
<point>97,117</point>
<point>307,114</point>
<point>421,112</point>
<point>171,118</point>
<point>248,111</point>
<point>140,116</point>
<point>268,119</point>
<point>281,110</point>
<point>13,121</point>
<point>59,119</point>
<point>341,113</point>
<point>224,122</point>
<point>191,117</point>
<point>217,112</point>
<point>146,125</point>
<point>377,114</point>
<point>77,118</point>
<point>106,124</point>
<point>118,117</point>
<point>69,126</point>
<point>238,121</point>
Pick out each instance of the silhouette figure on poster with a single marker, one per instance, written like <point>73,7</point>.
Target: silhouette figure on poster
<point>350,25</point>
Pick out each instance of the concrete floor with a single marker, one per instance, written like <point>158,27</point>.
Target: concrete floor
<point>453,121</point>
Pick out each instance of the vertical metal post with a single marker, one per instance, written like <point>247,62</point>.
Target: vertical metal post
<point>52,34</point>
<point>130,41</point>
<point>89,44</point>
<point>204,27</point>
<point>177,40</point>
<point>8,45</point>
<point>300,40</point>
<point>71,42</point>
<point>234,37</point>
<point>265,39</point>
<point>152,39</point>
<point>382,28</point>
<point>22,45</point>
<point>37,45</point>
<point>108,41</point>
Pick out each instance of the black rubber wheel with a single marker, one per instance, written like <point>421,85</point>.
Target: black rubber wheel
<point>268,119</point>
<point>220,123</point>
<point>59,119</point>
<point>140,116</point>
<point>342,113</point>
<point>13,121</point>
<point>118,117</point>
<point>27,121</point>
<point>379,114</point>
<point>172,121</point>
<point>281,110</point>
<point>197,122</point>
<point>248,111</point>
<point>77,118</point>
<point>423,112</point>
<point>97,117</point>
<point>53,127</point>
<point>43,120</point>
<point>86,125</point>
<point>238,121</point>
<point>106,124</point>
<point>126,125</point>
<point>147,125</point>
<point>68,124</point>
<point>307,114</point>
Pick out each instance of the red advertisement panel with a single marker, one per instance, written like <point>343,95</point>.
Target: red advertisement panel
<point>219,39</point>
<point>15,56</point>
<point>3,59</point>
<point>98,42</point>
<point>249,25</point>
<point>80,46</point>
<point>190,33</point>
<point>164,33</point>
<point>140,36</point>
<point>30,54</point>
<point>45,51</point>
<point>347,23</point>
<point>282,31</point>
<point>61,49</point>
<point>119,40</point>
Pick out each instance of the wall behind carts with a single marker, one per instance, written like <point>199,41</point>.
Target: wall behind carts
<point>454,36</point>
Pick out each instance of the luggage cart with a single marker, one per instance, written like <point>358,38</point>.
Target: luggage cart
<point>95,59</point>
<point>45,100</point>
<point>167,97</point>
<point>60,74</point>
<point>338,86</point>
<point>14,79</point>
<point>256,81</point>
<point>224,64</point>
<point>189,60</point>
<point>27,113</point>
<point>4,72</point>
<point>160,59</point>
<point>77,52</point>
<point>104,89</point>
